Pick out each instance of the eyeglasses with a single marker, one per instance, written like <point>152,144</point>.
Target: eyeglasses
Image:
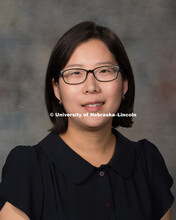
<point>102,74</point>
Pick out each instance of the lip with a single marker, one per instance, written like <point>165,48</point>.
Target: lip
<point>93,108</point>
<point>93,102</point>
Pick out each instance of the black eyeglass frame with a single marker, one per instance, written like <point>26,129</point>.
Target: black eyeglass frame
<point>90,71</point>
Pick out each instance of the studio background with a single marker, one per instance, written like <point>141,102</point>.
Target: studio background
<point>29,31</point>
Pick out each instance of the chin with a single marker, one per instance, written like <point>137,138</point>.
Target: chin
<point>95,123</point>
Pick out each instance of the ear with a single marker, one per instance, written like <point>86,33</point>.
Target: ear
<point>56,89</point>
<point>125,86</point>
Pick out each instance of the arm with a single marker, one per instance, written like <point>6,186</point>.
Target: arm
<point>167,216</point>
<point>11,212</point>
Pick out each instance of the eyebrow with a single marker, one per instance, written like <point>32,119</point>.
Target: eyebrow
<point>107,62</point>
<point>99,63</point>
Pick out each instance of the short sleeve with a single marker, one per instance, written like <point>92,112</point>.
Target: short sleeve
<point>160,180</point>
<point>21,181</point>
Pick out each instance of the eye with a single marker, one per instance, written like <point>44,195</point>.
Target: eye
<point>73,73</point>
<point>105,70</point>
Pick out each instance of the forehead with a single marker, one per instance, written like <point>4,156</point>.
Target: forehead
<point>91,53</point>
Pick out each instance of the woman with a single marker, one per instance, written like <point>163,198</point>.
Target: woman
<point>85,169</point>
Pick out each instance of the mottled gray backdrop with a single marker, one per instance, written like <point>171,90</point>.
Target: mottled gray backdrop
<point>30,29</point>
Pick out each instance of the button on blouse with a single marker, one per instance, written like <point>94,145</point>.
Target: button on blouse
<point>101,173</point>
<point>51,181</point>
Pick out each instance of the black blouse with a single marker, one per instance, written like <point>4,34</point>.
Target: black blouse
<point>50,181</point>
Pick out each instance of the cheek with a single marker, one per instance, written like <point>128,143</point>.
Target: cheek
<point>68,94</point>
<point>114,95</point>
<point>114,91</point>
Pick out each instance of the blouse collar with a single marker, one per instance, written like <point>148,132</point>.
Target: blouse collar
<point>76,168</point>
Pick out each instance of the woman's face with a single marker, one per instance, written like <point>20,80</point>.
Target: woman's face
<point>91,96</point>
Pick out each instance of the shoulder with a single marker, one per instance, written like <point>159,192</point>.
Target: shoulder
<point>154,162</point>
<point>147,146</point>
<point>139,147</point>
<point>149,157</point>
<point>22,152</point>
<point>148,151</point>
<point>22,165</point>
<point>152,154</point>
<point>22,157</point>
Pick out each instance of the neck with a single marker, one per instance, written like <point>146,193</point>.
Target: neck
<point>96,146</point>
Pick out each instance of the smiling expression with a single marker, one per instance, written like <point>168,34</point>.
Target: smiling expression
<point>91,95</point>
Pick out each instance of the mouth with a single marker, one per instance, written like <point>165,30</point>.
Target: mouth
<point>93,107</point>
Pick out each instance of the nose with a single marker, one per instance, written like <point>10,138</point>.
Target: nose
<point>91,85</point>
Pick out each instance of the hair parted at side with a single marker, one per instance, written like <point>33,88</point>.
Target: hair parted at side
<point>62,52</point>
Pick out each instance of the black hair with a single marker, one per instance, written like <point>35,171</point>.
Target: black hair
<point>62,52</point>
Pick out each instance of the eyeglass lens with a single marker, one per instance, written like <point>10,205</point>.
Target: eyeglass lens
<point>103,74</point>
